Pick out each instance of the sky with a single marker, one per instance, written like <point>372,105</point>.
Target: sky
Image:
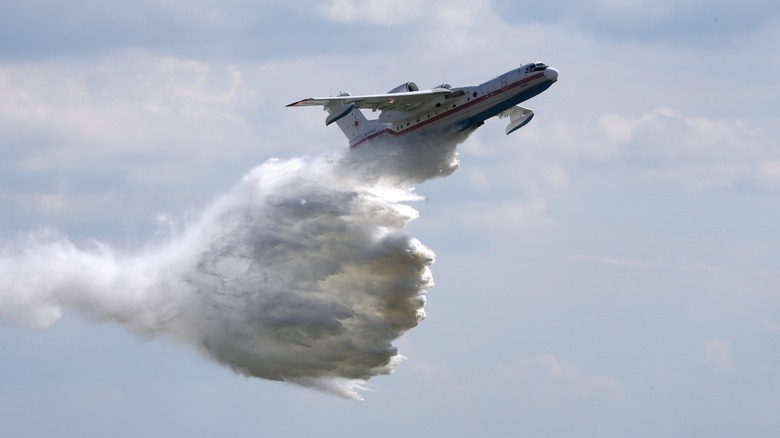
<point>611,269</point>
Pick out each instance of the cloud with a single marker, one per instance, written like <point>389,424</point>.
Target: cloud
<point>127,101</point>
<point>505,221</point>
<point>770,324</point>
<point>234,28</point>
<point>403,12</point>
<point>663,144</point>
<point>123,128</point>
<point>440,28</point>
<point>374,12</point>
<point>693,22</point>
<point>768,174</point>
<point>717,354</point>
<point>615,261</point>
<point>548,373</point>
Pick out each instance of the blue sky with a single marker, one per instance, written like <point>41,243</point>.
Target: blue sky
<point>611,269</point>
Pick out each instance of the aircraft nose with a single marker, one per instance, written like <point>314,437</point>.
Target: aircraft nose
<point>551,74</point>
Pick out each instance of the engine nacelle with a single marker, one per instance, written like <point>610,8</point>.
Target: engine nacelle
<point>405,87</point>
<point>444,85</point>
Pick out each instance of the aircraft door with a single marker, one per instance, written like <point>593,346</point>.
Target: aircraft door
<point>503,83</point>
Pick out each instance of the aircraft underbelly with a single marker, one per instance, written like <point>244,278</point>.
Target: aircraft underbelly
<point>464,119</point>
<point>502,106</point>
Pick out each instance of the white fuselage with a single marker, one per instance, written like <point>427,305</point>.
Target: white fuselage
<point>462,110</point>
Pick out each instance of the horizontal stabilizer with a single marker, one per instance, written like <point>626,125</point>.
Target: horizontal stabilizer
<point>518,117</point>
<point>338,112</point>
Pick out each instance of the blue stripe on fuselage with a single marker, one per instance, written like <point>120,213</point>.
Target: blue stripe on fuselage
<point>493,111</point>
<point>477,119</point>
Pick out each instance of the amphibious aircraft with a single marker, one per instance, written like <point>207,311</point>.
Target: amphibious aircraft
<point>410,114</point>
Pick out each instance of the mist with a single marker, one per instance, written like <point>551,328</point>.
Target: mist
<point>301,273</point>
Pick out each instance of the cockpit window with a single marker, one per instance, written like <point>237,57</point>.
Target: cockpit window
<point>536,66</point>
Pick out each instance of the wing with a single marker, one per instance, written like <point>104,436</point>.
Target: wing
<point>407,101</point>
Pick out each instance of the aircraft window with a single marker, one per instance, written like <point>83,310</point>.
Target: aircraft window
<point>475,94</point>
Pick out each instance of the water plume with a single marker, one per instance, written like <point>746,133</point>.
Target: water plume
<point>301,273</point>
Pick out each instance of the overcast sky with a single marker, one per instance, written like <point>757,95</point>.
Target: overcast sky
<point>611,269</point>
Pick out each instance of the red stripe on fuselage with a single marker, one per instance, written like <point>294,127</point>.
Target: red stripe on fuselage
<point>448,113</point>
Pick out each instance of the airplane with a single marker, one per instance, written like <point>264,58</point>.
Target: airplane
<point>410,114</point>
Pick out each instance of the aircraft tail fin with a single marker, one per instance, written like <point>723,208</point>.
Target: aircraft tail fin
<point>352,122</point>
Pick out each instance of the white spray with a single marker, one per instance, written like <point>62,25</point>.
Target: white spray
<point>301,273</point>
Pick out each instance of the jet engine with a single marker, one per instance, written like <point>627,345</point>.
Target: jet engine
<point>405,87</point>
